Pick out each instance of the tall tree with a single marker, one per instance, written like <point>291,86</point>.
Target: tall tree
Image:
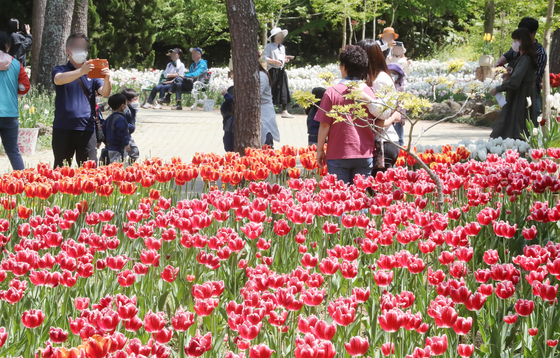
<point>37,24</point>
<point>339,11</point>
<point>80,17</point>
<point>546,78</point>
<point>489,16</point>
<point>244,32</point>
<point>58,18</point>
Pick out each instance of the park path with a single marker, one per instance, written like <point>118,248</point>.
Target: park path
<point>166,134</point>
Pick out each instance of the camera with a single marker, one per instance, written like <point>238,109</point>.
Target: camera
<point>399,43</point>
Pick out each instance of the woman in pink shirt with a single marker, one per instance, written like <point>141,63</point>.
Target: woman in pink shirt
<point>352,141</point>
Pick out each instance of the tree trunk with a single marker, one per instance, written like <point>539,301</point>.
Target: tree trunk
<point>489,15</point>
<point>364,21</point>
<point>79,19</point>
<point>58,18</point>
<point>554,54</point>
<point>351,30</point>
<point>546,78</point>
<point>264,37</point>
<point>344,32</point>
<point>37,24</point>
<point>244,32</point>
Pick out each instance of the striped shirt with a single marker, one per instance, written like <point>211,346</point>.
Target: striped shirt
<point>541,61</point>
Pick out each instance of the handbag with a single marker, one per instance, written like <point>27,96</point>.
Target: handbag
<point>96,123</point>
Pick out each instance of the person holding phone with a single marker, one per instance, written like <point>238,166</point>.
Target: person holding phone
<point>387,40</point>
<point>276,59</point>
<point>20,42</point>
<point>74,126</point>
<point>397,56</point>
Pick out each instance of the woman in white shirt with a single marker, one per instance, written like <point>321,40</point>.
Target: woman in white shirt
<point>379,79</point>
<point>275,57</point>
<point>269,127</point>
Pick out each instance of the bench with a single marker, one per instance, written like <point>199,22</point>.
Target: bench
<point>200,87</point>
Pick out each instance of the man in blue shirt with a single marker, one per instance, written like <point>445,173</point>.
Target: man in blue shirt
<point>73,127</point>
<point>197,72</point>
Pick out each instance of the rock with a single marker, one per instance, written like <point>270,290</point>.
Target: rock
<point>489,102</point>
<point>492,116</point>
<point>454,107</point>
<point>43,129</point>
<point>440,109</point>
<point>479,108</point>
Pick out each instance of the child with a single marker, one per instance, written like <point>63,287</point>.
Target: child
<point>227,118</point>
<point>130,115</point>
<point>117,136</point>
<point>311,111</point>
<point>398,75</point>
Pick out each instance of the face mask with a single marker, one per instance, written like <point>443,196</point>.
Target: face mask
<point>79,56</point>
<point>395,78</point>
<point>134,105</point>
<point>515,46</point>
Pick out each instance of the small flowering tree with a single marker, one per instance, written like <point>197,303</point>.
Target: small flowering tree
<point>412,109</point>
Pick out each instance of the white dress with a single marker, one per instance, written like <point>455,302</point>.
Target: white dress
<point>268,114</point>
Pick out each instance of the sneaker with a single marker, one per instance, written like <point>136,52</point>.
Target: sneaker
<point>287,115</point>
<point>177,108</point>
<point>147,106</point>
<point>158,106</point>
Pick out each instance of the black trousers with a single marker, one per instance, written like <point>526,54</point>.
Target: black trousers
<point>66,143</point>
<point>181,84</point>
<point>391,154</point>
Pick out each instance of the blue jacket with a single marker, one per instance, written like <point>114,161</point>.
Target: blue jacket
<point>13,82</point>
<point>197,69</point>
<point>312,124</point>
<point>116,132</point>
<point>130,116</point>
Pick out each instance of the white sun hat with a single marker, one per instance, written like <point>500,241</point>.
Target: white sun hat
<point>277,30</point>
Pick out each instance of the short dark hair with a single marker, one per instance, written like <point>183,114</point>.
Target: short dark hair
<point>530,24</point>
<point>526,46</point>
<point>13,25</point>
<point>4,41</point>
<point>78,35</point>
<point>116,101</point>
<point>355,60</point>
<point>130,93</point>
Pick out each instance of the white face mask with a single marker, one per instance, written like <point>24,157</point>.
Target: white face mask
<point>134,105</point>
<point>515,46</point>
<point>80,56</point>
<point>395,78</point>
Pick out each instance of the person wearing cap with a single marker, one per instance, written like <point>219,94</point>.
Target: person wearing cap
<point>387,40</point>
<point>197,72</point>
<point>275,57</point>
<point>398,75</point>
<point>174,69</point>
<point>397,56</point>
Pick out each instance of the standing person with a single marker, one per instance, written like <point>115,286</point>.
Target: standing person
<point>519,88</point>
<point>74,127</point>
<point>351,142</point>
<point>379,80</point>
<point>226,109</point>
<point>398,76</point>
<point>311,111</point>
<point>387,40</point>
<point>197,72</point>
<point>276,59</point>
<point>398,57</point>
<point>116,130</point>
<point>173,70</point>
<point>269,127</point>
<point>512,55</point>
<point>13,82</point>
<point>132,102</point>
<point>20,42</point>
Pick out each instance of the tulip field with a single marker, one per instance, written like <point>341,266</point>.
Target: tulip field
<point>276,258</point>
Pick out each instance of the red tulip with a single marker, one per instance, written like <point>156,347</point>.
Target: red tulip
<point>57,335</point>
<point>108,321</point>
<point>126,278</point>
<point>260,351</point>
<point>392,320</point>
<point>465,350</point>
<point>383,278</point>
<point>445,317</point>
<point>329,266</point>
<point>182,320</point>
<point>357,346</point>
<point>199,345</point>
<point>505,290</point>
<point>524,307</point>
<point>552,343</point>
<point>32,318</point>
<point>438,345</point>
<point>463,325</point>
<point>3,336</point>
<point>154,322</point>
<point>127,311</point>
<point>533,331</point>
<point>388,349</point>
<point>249,331</point>
<point>510,319</point>
<point>323,331</point>
<point>169,273</point>
<point>163,336</point>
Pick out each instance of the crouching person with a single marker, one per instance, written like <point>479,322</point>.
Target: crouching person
<point>116,130</point>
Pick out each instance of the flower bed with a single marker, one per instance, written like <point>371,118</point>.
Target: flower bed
<point>117,262</point>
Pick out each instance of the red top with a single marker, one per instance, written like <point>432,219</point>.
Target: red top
<point>346,141</point>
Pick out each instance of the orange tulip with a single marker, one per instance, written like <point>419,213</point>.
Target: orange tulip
<point>23,212</point>
<point>97,346</point>
<point>105,190</point>
<point>127,188</point>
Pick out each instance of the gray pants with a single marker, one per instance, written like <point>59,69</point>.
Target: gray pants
<point>134,153</point>
<point>115,156</point>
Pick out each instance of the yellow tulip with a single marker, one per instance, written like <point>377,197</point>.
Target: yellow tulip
<point>32,110</point>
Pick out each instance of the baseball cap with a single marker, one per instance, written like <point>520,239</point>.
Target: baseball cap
<point>176,50</point>
<point>198,49</point>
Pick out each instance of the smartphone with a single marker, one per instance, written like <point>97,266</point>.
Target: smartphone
<point>398,43</point>
<point>98,65</point>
